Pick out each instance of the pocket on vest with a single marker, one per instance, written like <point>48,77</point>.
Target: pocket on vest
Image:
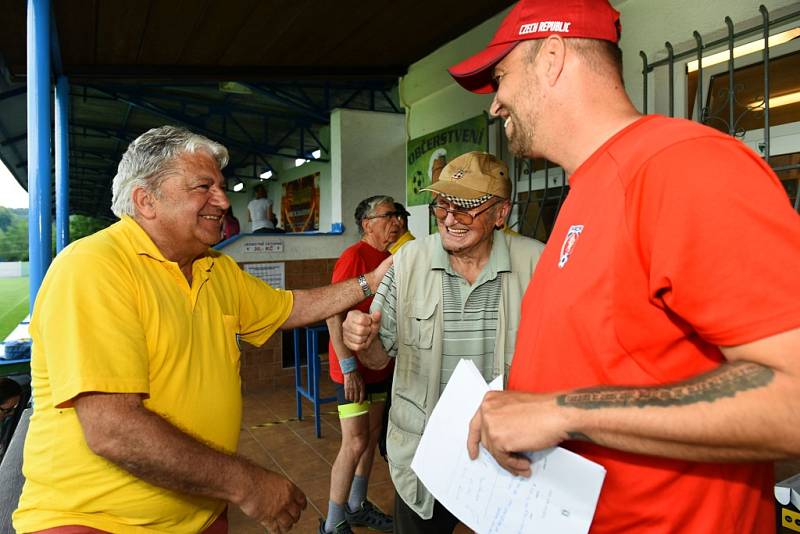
<point>418,324</point>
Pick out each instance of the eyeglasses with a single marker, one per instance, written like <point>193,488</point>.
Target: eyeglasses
<point>460,215</point>
<point>387,215</point>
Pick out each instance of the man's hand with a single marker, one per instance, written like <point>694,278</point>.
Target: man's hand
<point>374,278</point>
<point>510,422</point>
<point>273,501</point>
<point>359,329</point>
<point>354,389</point>
<point>119,428</point>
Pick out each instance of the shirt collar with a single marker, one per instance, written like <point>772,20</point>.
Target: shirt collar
<point>499,258</point>
<point>143,245</point>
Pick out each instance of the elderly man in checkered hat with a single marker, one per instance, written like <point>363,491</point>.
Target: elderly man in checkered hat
<point>455,294</point>
<point>660,335</point>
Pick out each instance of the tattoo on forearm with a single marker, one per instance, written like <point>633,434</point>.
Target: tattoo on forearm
<point>725,381</point>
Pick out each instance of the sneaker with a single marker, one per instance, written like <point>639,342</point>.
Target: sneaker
<point>369,516</point>
<point>342,528</point>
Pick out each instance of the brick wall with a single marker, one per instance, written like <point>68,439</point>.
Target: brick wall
<point>261,367</point>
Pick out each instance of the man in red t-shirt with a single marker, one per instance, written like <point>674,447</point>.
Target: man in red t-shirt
<point>660,334</point>
<point>361,391</point>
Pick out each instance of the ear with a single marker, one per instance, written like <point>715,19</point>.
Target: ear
<point>144,202</point>
<point>553,56</point>
<point>502,214</point>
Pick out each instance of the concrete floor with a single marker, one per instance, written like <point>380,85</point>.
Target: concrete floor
<point>273,438</point>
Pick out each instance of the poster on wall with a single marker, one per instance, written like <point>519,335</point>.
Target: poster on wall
<point>272,273</point>
<point>300,204</point>
<point>427,155</point>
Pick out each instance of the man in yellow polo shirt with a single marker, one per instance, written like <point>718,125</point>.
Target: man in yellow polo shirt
<point>135,366</point>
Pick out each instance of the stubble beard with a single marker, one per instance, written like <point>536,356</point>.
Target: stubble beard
<point>521,142</point>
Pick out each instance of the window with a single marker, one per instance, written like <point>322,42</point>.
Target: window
<point>748,95</point>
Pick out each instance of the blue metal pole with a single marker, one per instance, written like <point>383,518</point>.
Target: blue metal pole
<point>62,163</point>
<point>38,68</point>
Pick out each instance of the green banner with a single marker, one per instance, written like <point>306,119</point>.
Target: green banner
<point>434,150</point>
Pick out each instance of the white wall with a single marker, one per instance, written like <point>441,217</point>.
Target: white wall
<point>370,159</point>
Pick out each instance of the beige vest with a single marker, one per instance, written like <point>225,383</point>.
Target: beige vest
<point>419,357</point>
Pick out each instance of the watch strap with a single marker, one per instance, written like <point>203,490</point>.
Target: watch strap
<point>362,281</point>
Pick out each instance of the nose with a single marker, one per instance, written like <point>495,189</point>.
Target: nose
<point>219,198</point>
<point>494,109</point>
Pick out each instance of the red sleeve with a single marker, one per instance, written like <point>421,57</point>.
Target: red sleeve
<point>720,240</point>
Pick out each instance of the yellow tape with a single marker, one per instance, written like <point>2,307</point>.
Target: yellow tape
<point>790,519</point>
<point>354,409</point>
<point>283,421</point>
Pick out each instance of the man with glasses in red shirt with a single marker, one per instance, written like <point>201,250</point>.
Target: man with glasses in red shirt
<point>455,294</point>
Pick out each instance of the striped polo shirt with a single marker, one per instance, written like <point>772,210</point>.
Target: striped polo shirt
<point>470,312</point>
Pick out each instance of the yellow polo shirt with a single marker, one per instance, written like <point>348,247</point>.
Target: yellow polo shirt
<point>113,315</point>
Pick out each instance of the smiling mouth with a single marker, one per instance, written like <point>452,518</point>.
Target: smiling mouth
<point>507,122</point>
<point>457,232</point>
<point>216,218</point>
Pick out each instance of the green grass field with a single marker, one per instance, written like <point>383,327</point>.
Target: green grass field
<point>13,303</point>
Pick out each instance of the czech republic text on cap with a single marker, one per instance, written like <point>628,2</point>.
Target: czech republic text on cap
<point>472,176</point>
<point>536,19</point>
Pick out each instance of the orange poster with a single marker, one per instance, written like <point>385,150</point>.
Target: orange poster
<point>300,204</point>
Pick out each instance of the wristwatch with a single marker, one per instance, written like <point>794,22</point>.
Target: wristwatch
<point>362,281</point>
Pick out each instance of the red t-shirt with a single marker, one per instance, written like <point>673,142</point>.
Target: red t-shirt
<point>355,260</point>
<point>674,240</point>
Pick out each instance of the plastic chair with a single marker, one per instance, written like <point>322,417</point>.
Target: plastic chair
<point>311,390</point>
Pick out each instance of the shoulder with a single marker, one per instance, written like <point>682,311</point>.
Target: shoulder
<point>700,161</point>
<point>520,244</point>
<point>108,246</point>
<point>224,262</point>
<point>348,263</point>
<point>657,137</point>
<point>351,252</point>
<point>416,248</point>
<point>106,259</point>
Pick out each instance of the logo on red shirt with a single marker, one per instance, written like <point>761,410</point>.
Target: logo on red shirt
<point>569,244</point>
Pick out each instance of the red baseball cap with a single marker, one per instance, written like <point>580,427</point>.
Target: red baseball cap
<point>536,19</point>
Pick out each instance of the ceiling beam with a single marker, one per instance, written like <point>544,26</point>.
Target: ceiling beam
<point>192,123</point>
<point>250,73</point>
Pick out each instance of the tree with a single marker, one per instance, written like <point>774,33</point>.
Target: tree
<point>83,225</point>
<point>6,217</point>
<point>14,232</point>
<point>14,241</point>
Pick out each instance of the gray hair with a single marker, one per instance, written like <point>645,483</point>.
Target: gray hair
<point>367,207</point>
<point>149,159</point>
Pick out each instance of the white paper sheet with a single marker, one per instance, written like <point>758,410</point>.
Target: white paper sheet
<point>559,497</point>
